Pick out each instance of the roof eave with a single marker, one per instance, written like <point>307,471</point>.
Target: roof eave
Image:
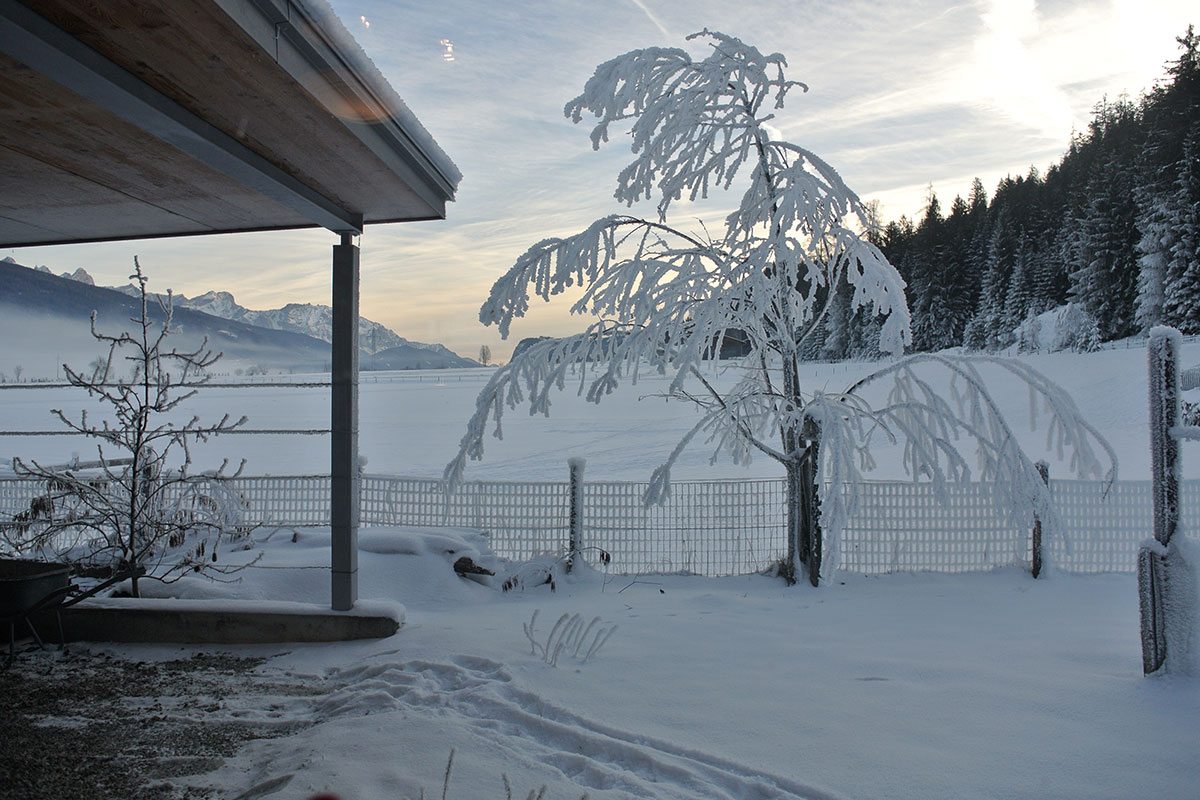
<point>312,44</point>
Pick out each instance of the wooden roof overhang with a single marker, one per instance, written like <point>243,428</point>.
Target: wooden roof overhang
<point>128,119</point>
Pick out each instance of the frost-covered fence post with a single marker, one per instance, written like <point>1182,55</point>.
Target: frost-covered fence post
<point>1164,415</point>
<point>1163,351</point>
<point>151,491</point>
<point>1035,544</point>
<point>575,519</point>
<point>810,503</point>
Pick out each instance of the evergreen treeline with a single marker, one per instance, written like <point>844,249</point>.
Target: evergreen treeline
<point>1113,229</point>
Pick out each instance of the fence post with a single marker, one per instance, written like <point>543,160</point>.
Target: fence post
<point>810,502</point>
<point>575,520</point>
<point>1036,540</point>
<point>1152,565</point>
<point>146,486</point>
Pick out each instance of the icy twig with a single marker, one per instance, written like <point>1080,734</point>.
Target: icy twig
<point>446,779</point>
<point>569,635</point>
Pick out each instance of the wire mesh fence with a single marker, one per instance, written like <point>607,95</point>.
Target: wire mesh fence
<point>705,527</point>
<point>906,527</point>
<point>725,527</point>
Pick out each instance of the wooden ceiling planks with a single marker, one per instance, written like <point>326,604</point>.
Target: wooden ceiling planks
<point>199,57</point>
<point>202,59</point>
<point>80,150</point>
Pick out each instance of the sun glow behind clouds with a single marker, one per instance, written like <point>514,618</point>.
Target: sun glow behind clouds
<point>1047,72</point>
<point>1013,76</point>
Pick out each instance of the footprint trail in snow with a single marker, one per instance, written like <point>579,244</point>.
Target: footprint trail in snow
<point>482,695</point>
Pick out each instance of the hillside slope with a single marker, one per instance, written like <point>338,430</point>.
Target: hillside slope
<point>48,315</point>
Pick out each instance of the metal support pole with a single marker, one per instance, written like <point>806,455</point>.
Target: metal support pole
<point>343,466</point>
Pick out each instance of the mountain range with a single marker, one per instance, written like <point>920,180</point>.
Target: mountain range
<point>311,319</point>
<point>293,337</point>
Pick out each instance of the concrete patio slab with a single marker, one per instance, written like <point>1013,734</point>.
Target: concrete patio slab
<point>219,621</point>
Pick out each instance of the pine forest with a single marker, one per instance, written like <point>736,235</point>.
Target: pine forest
<point>1108,239</point>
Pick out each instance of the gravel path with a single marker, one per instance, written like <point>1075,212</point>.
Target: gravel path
<point>90,725</point>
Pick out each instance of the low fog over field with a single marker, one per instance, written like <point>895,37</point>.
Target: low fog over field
<point>411,422</point>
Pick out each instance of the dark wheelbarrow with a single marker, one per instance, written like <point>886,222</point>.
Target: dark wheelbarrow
<point>27,587</point>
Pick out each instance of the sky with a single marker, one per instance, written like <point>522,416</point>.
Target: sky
<point>903,96</point>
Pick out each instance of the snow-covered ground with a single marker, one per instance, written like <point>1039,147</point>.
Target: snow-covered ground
<point>902,686</point>
<point>899,686</point>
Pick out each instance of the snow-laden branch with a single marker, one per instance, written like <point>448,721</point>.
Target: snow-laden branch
<point>536,374</point>
<point>694,119</point>
<point>933,430</point>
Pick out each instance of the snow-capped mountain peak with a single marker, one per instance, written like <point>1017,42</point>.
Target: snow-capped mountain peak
<point>219,304</point>
<point>80,275</point>
<point>310,319</point>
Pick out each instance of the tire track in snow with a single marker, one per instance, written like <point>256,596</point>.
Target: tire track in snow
<point>482,695</point>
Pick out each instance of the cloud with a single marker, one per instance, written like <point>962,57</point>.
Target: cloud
<point>654,19</point>
<point>902,95</point>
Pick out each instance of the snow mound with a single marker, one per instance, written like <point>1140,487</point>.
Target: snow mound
<point>445,542</point>
<point>1066,327</point>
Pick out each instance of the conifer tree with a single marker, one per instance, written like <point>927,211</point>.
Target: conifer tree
<point>959,278</point>
<point>1181,284</point>
<point>991,332</point>
<point>1018,297</point>
<point>1104,281</point>
<point>1101,228</point>
<point>925,265</point>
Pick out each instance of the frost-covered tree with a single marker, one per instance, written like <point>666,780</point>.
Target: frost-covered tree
<point>1171,117</point>
<point>1153,251</point>
<point>987,329</point>
<point>1077,330</point>
<point>1104,277</point>
<point>665,297</point>
<point>133,510</point>
<point>1019,297</point>
<point>1029,334</point>
<point>928,272</point>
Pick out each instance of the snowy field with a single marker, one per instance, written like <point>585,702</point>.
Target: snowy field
<point>900,686</point>
<point>412,422</point>
<point>930,686</point>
